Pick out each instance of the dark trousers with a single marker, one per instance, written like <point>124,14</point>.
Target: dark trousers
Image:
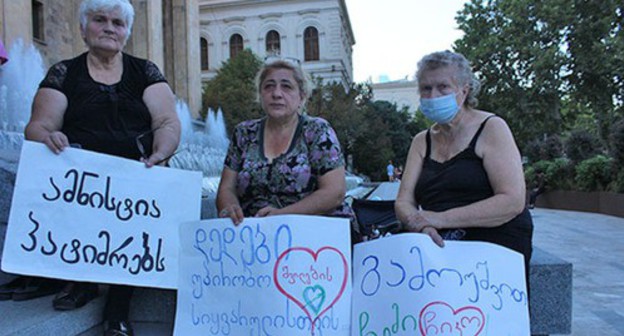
<point>516,234</point>
<point>118,303</point>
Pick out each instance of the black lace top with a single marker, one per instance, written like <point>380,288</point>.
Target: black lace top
<point>105,118</point>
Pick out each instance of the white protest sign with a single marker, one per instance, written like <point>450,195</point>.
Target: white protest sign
<point>282,275</point>
<point>87,216</point>
<point>406,285</point>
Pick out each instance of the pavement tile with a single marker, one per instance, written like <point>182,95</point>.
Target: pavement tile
<point>594,244</point>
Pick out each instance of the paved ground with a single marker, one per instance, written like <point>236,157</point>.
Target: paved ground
<point>594,244</point>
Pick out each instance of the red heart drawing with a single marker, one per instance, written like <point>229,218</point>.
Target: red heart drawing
<point>439,318</point>
<point>309,293</point>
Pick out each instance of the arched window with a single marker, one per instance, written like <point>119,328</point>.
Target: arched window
<point>203,46</point>
<point>273,43</point>
<point>311,44</point>
<point>236,45</point>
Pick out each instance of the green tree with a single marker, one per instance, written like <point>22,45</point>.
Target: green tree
<point>387,135</point>
<point>367,130</point>
<point>338,106</point>
<point>417,123</point>
<point>234,90</point>
<point>398,122</point>
<point>546,66</point>
<point>373,147</point>
<point>518,58</point>
<point>596,50</point>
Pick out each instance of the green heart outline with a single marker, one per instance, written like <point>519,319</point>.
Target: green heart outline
<point>309,301</point>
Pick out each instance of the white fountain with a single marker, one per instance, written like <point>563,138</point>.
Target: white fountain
<point>204,149</point>
<point>19,79</point>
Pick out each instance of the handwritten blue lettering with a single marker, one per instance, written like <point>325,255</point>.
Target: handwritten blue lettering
<point>224,248</point>
<point>219,322</point>
<point>418,276</point>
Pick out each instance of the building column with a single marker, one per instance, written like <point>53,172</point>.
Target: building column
<point>181,51</point>
<point>147,32</point>
<point>16,21</point>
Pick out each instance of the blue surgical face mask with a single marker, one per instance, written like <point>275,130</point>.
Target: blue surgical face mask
<point>440,109</point>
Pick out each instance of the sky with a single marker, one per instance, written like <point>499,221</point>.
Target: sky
<point>392,35</point>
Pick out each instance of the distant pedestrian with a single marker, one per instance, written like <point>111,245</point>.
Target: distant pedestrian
<point>398,172</point>
<point>390,171</point>
<point>539,188</point>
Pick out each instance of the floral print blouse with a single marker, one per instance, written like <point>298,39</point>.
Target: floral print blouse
<point>290,177</point>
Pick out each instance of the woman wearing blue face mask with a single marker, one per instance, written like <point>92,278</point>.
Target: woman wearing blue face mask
<point>463,177</point>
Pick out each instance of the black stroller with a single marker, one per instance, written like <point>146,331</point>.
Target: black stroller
<point>375,218</point>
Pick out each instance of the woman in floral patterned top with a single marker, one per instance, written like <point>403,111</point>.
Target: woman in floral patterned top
<point>285,162</point>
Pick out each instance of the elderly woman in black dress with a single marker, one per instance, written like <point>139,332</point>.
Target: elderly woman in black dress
<point>463,177</point>
<point>102,101</point>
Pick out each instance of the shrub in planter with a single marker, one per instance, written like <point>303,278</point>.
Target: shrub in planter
<point>557,173</point>
<point>616,141</point>
<point>617,185</point>
<point>594,174</point>
<point>581,145</point>
<point>529,176</point>
<point>551,148</point>
<point>532,150</point>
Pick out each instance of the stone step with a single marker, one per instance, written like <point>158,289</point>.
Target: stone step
<point>140,329</point>
<point>152,312</point>
<point>37,317</point>
<point>153,305</point>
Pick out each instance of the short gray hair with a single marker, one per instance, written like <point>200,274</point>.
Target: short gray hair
<point>463,74</point>
<point>301,77</point>
<point>92,6</point>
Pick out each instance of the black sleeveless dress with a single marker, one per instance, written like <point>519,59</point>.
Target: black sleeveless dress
<point>461,181</point>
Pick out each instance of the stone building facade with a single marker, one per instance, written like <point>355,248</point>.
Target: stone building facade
<point>404,93</point>
<point>316,32</point>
